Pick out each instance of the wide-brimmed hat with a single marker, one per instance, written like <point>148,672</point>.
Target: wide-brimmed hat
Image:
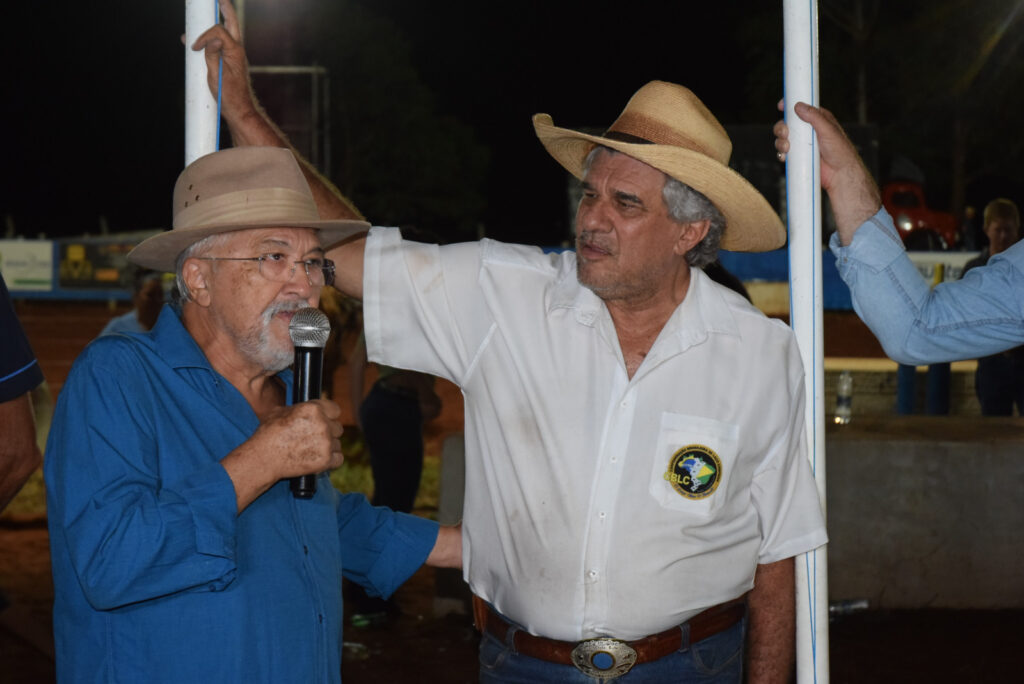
<point>668,127</point>
<point>238,189</point>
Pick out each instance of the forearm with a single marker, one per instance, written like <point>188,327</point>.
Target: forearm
<point>131,539</point>
<point>968,318</point>
<point>252,126</point>
<point>246,118</point>
<point>772,624</point>
<point>19,455</point>
<point>447,551</point>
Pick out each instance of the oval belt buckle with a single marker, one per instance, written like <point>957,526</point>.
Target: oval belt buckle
<point>604,657</point>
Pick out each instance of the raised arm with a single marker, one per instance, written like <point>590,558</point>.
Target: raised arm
<point>250,125</point>
<point>853,192</point>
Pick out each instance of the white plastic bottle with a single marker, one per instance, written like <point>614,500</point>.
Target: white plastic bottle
<point>844,398</point>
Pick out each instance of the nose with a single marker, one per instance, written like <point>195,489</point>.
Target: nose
<point>591,216</point>
<point>299,282</point>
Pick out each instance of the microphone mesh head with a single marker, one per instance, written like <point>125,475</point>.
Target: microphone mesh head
<point>309,328</point>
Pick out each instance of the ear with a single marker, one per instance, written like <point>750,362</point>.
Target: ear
<point>196,275</point>
<point>690,235</point>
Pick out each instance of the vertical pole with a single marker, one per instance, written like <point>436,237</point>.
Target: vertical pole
<point>803,208</point>
<point>200,106</point>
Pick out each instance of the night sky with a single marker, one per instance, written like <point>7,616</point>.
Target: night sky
<point>93,105</point>
<point>94,111</point>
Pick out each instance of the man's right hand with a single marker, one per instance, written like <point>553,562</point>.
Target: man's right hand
<point>853,192</point>
<point>292,440</point>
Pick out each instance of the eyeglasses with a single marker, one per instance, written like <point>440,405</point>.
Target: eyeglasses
<point>278,268</point>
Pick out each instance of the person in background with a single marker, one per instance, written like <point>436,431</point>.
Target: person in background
<point>19,375</point>
<point>19,454</point>
<point>999,379</point>
<point>391,417</point>
<point>147,300</point>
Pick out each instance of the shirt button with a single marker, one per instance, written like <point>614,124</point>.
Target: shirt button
<point>305,549</point>
<point>601,515</point>
<point>592,574</point>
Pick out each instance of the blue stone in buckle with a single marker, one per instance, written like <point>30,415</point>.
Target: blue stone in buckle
<point>603,658</point>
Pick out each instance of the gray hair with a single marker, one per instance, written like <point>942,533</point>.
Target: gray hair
<point>204,246</point>
<point>685,205</point>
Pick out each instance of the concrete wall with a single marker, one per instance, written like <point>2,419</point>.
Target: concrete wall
<point>927,511</point>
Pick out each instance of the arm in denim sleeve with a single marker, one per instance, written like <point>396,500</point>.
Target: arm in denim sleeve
<point>976,316</point>
<point>381,548</point>
<point>126,533</point>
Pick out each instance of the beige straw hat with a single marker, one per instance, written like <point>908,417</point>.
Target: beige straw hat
<point>238,189</point>
<point>666,126</point>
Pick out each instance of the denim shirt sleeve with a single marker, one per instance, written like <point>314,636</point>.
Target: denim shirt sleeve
<point>969,318</point>
<point>381,548</point>
<point>131,534</point>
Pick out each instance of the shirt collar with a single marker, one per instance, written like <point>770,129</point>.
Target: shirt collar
<point>704,310</point>
<point>176,345</point>
<point>179,349</point>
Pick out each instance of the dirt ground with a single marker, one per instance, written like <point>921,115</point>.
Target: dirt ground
<point>898,647</point>
<point>866,648</point>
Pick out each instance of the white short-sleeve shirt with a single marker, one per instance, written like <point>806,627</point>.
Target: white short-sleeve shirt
<point>598,504</point>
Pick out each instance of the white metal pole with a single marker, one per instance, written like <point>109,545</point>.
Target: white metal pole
<point>200,106</point>
<point>803,203</point>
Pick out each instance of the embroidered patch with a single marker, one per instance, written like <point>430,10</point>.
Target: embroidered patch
<point>694,471</point>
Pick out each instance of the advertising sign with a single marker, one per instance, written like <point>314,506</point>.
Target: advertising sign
<point>27,264</point>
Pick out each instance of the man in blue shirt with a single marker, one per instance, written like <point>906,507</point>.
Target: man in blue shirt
<point>179,553</point>
<point>978,315</point>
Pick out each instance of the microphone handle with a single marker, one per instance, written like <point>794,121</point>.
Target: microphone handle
<point>307,384</point>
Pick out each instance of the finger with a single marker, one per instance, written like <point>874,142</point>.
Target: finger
<point>781,106</point>
<point>227,10</point>
<point>214,37</point>
<point>330,409</point>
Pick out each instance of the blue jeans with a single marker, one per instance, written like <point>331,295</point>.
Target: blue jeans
<point>717,659</point>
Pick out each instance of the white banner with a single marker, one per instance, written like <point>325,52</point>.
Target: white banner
<point>27,264</point>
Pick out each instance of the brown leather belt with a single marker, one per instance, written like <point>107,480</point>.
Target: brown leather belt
<point>702,625</point>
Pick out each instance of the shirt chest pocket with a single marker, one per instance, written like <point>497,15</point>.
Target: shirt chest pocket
<point>691,467</point>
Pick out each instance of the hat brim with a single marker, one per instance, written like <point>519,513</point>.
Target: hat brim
<point>751,224</point>
<point>160,252</point>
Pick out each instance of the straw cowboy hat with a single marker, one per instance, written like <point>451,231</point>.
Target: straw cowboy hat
<point>666,126</point>
<point>238,189</point>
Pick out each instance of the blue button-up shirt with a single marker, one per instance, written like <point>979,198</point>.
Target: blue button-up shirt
<point>978,315</point>
<point>157,578</point>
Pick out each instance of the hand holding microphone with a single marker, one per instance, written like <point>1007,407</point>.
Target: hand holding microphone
<point>309,330</point>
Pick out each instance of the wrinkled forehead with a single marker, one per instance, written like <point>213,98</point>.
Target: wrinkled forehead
<point>290,240</point>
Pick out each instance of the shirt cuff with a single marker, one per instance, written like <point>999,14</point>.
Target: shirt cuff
<point>412,540</point>
<point>211,497</point>
<point>876,243</point>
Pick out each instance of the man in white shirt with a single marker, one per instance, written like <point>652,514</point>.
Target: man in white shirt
<point>637,479</point>
<point>635,454</point>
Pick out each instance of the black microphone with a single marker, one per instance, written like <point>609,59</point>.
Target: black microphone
<point>309,330</point>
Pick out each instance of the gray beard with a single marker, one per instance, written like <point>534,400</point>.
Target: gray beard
<point>257,345</point>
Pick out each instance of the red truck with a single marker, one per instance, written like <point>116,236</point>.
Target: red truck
<point>921,228</point>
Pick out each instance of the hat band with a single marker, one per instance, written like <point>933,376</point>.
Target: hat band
<point>626,138</point>
<point>656,133</point>
<point>263,205</point>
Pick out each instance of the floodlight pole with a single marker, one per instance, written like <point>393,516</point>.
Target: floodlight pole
<point>200,106</point>
<point>803,208</point>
